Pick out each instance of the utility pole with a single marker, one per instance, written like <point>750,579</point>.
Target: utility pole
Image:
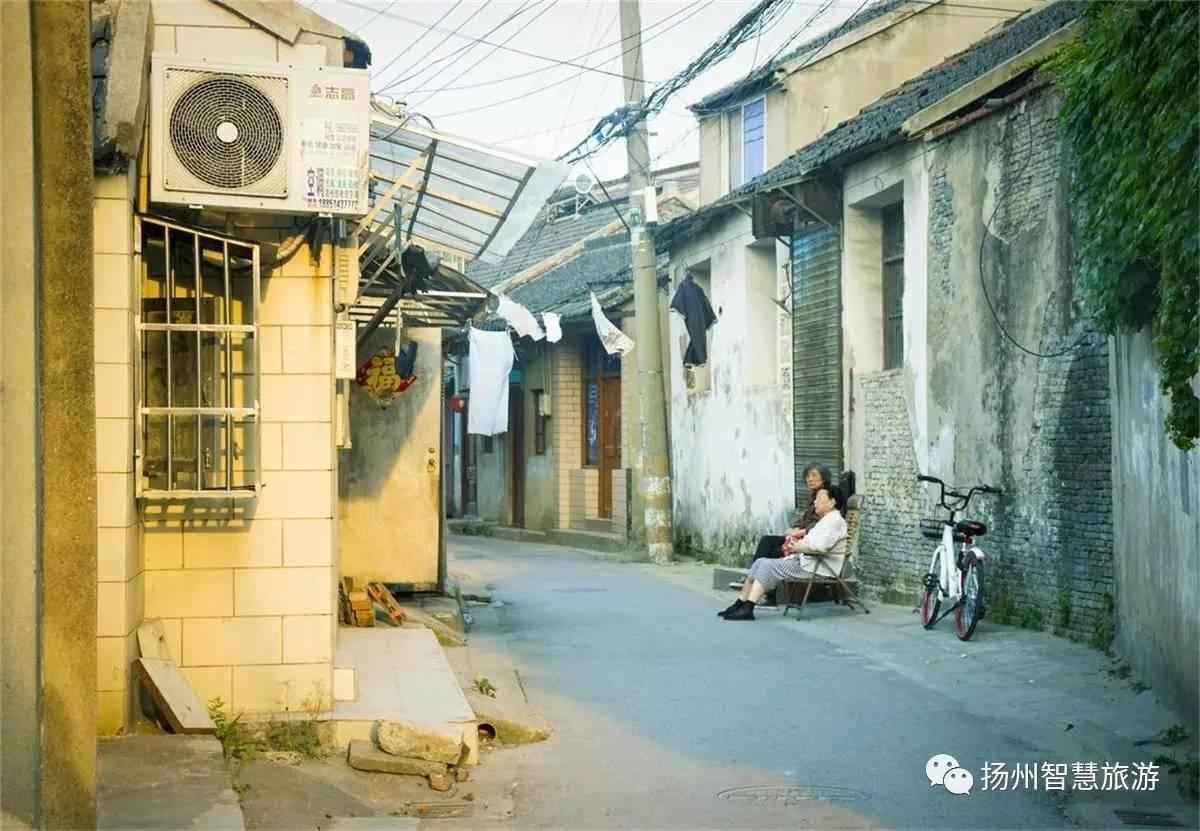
<point>656,468</point>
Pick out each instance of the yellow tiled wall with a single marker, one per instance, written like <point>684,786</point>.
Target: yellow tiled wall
<point>248,601</point>
<point>119,572</point>
<point>568,430</point>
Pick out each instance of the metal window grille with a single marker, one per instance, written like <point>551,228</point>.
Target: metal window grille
<point>198,382</point>
<point>893,286</point>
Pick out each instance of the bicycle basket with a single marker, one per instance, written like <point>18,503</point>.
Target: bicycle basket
<point>931,528</point>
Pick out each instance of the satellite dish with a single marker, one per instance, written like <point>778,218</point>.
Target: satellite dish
<point>584,182</point>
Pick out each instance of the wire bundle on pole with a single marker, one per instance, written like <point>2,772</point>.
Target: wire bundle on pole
<point>621,121</point>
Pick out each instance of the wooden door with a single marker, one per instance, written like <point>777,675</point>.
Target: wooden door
<point>516,454</point>
<point>610,440</point>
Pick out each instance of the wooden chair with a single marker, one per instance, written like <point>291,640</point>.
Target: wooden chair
<point>848,597</point>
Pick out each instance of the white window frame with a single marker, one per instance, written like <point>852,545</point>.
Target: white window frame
<point>250,414</point>
<point>742,138</point>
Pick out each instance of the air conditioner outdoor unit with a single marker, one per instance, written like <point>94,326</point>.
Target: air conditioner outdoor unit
<point>272,137</point>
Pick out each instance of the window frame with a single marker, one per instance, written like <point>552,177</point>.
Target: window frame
<point>892,284</point>
<point>143,412</point>
<point>762,142</point>
<point>539,424</point>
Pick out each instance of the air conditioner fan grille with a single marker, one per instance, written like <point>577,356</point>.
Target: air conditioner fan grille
<point>226,132</point>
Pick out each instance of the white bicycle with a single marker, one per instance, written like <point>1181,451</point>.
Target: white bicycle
<point>956,578</point>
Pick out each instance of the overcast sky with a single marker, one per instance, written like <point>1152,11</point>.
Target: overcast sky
<point>465,87</point>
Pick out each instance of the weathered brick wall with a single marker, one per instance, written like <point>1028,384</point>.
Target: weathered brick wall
<point>891,556</point>
<point>1038,427</point>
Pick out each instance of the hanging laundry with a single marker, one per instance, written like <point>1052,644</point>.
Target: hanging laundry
<point>520,319</point>
<point>614,339</point>
<point>698,317</point>
<point>406,359</point>
<point>553,327</point>
<point>491,362</point>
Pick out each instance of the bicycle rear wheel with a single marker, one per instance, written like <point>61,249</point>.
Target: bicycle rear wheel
<point>931,599</point>
<point>970,607</point>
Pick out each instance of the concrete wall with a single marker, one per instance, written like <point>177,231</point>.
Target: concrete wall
<point>20,502</point>
<point>541,480</point>
<point>868,62</point>
<point>973,408</point>
<point>731,438</point>
<point>389,481</point>
<point>1156,531</point>
<point>492,479</point>
<point>48,443</point>
<point>844,76</point>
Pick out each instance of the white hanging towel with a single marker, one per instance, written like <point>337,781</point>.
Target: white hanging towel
<point>491,363</point>
<point>553,327</point>
<point>614,339</point>
<point>520,319</point>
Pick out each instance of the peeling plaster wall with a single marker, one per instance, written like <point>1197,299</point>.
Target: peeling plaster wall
<point>976,408</point>
<point>1156,525</point>
<point>731,444</point>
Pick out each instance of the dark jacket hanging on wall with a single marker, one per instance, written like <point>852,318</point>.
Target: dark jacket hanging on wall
<point>698,316</point>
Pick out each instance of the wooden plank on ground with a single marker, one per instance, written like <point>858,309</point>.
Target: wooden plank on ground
<point>183,709</point>
<point>152,640</point>
<point>380,594</point>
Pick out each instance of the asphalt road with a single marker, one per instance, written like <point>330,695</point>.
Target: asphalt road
<point>667,716</point>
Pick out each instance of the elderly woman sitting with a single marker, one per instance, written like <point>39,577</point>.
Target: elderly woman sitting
<point>799,564</point>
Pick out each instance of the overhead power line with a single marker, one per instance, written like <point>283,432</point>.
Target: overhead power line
<point>513,49</point>
<point>379,72</point>
<point>704,4</point>
<point>621,122</point>
<point>420,68</point>
<point>493,51</point>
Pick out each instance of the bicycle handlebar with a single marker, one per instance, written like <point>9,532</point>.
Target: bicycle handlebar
<point>955,494</point>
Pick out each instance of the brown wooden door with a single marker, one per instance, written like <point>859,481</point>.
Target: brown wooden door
<point>516,454</point>
<point>610,440</point>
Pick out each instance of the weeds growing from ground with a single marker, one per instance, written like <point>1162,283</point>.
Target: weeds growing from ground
<point>483,686</point>
<point>1188,771</point>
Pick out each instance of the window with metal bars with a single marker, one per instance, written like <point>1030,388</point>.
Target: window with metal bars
<point>893,286</point>
<point>198,403</point>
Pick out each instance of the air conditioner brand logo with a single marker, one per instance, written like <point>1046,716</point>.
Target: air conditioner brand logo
<point>315,91</point>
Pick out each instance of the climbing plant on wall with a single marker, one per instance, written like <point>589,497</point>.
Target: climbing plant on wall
<point>1131,83</point>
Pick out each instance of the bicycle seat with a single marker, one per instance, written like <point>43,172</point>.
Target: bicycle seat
<point>970,528</point>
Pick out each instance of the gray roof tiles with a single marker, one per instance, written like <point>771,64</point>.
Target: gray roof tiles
<point>881,121</point>
<point>763,78</point>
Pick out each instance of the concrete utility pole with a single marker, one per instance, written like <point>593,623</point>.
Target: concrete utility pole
<point>656,468</point>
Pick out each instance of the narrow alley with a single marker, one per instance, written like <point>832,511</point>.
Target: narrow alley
<point>666,716</point>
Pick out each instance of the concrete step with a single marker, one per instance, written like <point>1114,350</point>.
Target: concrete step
<point>588,540</point>
<point>724,575</point>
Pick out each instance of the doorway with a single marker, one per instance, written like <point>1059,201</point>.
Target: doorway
<point>516,454</point>
<point>610,441</point>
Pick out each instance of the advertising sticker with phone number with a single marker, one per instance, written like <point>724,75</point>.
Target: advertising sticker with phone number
<point>329,150</point>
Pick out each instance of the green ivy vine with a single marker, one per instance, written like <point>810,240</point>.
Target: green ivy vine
<point>1131,117</point>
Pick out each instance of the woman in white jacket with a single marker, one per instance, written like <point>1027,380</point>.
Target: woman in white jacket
<point>799,564</point>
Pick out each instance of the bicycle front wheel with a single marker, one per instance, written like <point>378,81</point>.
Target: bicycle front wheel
<point>970,606</point>
<point>931,599</point>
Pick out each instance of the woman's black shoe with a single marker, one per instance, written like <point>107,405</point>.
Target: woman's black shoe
<point>729,608</point>
<point>745,611</point>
